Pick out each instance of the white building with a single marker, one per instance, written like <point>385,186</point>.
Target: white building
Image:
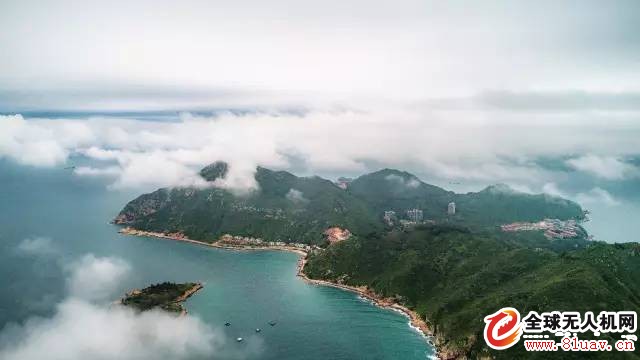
<point>389,216</point>
<point>415,215</point>
<point>451,208</point>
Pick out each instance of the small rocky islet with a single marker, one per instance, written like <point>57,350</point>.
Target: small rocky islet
<point>167,296</point>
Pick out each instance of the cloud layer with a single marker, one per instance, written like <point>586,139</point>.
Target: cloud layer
<point>607,167</point>
<point>36,246</point>
<point>472,147</point>
<point>593,197</point>
<point>93,278</point>
<point>85,326</point>
<point>82,330</point>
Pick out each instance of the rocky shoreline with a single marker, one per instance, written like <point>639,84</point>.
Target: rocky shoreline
<point>387,303</point>
<point>415,319</point>
<point>187,294</point>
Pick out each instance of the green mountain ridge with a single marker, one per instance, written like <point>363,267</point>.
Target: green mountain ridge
<point>298,209</point>
<point>453,270</point>
<point>285,208</point>
<point>399,191</point>
<point>454,277</point>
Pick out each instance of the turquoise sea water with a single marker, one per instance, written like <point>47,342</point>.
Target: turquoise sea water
<point>248,289</point>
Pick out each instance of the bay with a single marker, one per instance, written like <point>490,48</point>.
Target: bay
<point>247,289</point>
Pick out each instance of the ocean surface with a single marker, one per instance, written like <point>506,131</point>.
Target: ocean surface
<point>247,289</point>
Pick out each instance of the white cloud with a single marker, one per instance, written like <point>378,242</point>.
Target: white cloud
<point>597,196</point>
<point>155,169</point>
<point>553,190</point>
<point>82,330</point>
<point>30,143</point>
<point>94,278</point>
<point>296,196</point>
<point>85,326</point>
<point>411,183</point>
<point>606,167</point>
<point>37,246</point>
<point>93,171</point>
<point>471,146</point>
<point>522,188</point>
<point>239,178</point>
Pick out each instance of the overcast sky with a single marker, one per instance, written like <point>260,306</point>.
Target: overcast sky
<point>166,54</point>
<point>450,90</point>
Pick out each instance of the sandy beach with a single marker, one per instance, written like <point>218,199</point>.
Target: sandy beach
<point>135,232</point>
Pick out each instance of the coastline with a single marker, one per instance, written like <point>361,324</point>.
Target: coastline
<point>135,232</point>
<point>187,294</point>
<point>415,320</point>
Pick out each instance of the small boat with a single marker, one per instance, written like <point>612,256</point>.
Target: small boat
<point>227,324</point>
<point>272,323</point>
<point>239,339</point>
<point>258,330</point>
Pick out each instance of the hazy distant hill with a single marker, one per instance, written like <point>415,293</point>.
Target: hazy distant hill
<point>400,191</point>
<point>298,209</point>
<point>498,204</point>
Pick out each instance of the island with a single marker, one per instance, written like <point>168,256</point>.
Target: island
<point>444,259</point>
<point>167,296</point>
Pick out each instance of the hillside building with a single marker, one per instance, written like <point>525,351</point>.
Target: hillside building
<point>415,215</point>
<point>389,217</point>
<point>451,208</point>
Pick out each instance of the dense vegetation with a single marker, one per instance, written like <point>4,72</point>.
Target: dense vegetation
<point>166,296</point>
<point>453,272</point>
<point>285,208</point>
<point>498,204</point>
<point>298,209</point>
<point>455,277</point>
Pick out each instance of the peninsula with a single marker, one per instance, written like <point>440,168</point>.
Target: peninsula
<point>445,260</point>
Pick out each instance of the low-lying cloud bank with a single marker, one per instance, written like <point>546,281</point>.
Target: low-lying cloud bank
<point>594,196</point>
<point>605,167</point>
<point>82,330</point>
<point>86,326</point>
<point>489,146</point>
<point>36,246</point>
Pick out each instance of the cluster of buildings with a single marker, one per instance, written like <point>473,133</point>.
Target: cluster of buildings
<point>389,217</point>
<point>553,228</point>
<point>236,240</point>
<point>241,240</point>
<point>413,216</point>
